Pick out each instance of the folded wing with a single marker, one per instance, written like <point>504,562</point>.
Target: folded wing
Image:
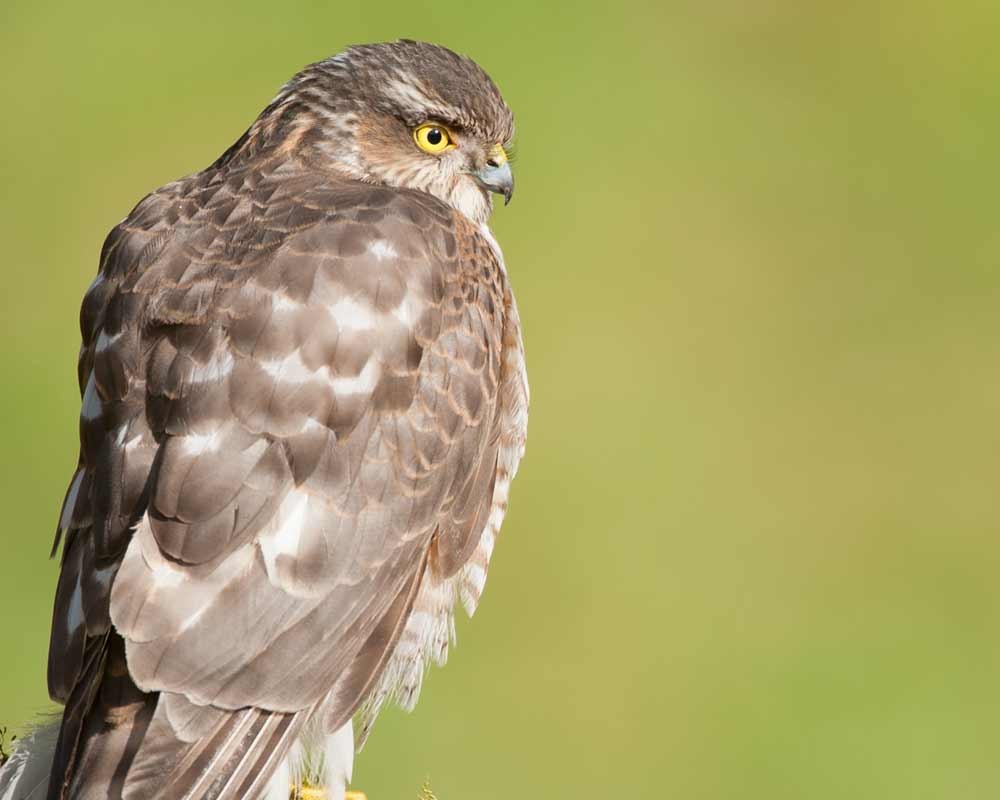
<point>287,414</point>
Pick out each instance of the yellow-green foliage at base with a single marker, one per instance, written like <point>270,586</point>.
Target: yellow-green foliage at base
<point>426,793</point>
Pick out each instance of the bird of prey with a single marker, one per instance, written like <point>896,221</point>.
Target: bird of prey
<point>303,402</point>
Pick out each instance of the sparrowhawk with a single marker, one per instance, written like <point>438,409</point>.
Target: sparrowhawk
<point>303,402</point>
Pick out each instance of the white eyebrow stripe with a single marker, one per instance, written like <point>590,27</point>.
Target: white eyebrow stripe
<point>407,93</point>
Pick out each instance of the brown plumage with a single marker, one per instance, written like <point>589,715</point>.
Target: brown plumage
<point>303,403</point>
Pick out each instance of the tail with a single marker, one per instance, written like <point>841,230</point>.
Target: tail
<point>120,743</point>
<point>25,776</point>
<point>117,742</point>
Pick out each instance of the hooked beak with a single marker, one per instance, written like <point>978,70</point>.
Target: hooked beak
<point>496,175</point>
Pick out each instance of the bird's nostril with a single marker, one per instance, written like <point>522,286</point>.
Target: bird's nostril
<point>492,163</point>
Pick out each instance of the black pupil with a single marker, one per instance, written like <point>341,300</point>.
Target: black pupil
<point>434,136</point>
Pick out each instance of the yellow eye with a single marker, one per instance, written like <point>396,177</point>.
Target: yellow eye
<point>433,139</point>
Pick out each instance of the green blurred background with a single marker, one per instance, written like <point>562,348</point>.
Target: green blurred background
<point>753,549</point>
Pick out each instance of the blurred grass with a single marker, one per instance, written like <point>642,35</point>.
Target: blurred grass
<point>753,549</point>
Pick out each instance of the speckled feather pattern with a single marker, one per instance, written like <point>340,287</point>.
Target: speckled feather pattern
<point>303,401</point>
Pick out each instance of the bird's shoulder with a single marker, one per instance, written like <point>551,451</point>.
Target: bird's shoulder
<point>235,247</point>
<point>245,219</point>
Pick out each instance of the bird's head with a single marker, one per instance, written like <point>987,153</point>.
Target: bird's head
<point>404,114</point>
